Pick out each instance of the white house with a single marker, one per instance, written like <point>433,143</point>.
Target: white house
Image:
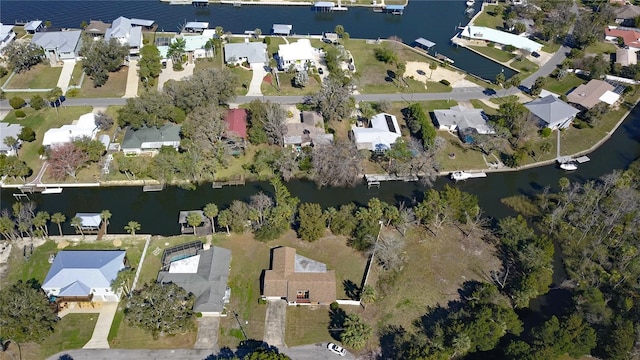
<point>149,140</point>
<point>127,33</point>
<point>298,53</point>
<point>59,45</point>
<point>85,126</point>
<point>552,112</point>
<point>84,275</point>
<point>7,130</point>
<point>251,52</point>
<point>384,131</point>
<point>6,35</point>
<point>500,37</point>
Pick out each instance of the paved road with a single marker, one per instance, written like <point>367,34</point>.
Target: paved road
<point>313,352</point>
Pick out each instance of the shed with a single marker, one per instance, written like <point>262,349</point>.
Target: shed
<point>142,22</point>
<point>281,29</point>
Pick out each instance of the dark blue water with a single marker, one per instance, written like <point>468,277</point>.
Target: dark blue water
<point>433,20</point>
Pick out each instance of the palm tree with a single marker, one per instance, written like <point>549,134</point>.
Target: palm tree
<point>194,219</point>
<point>176,52</point>
<point>432,67</point>
<point>105,215</point>
<point>12,143</point>
<point>122,281</point>
<point>257,32</point>
<point>58,218</point>
<point>211,210</point>
<point>224,219</point>
<point>330,214</point>
<point>132,227</point>
<point>40,222</point>
<point>76,222</point>
<point>210,47</point>
<point>368,295</point>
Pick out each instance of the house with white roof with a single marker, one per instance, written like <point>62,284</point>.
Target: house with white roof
<point>7,130</point>
<point>552,112</point>
<point>281,29</point>
<point>6,35</point>
<point>299,54</point>
<point>127,33</point>
<point>34,26</point>
<point>84,275</point>
<point>251,52</point>
<point>384,131</point>
<point>59,45</point>
<point>499,37</point>
<point>195,26</point>
<point>85,126</point>
<point>465,122</point>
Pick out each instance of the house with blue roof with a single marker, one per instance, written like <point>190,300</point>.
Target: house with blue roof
<point>84,275</point>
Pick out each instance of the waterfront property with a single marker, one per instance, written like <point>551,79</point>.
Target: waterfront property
<point>595,91</point>
<point>626,15</point>
<point>204,274</point>
<point>6,35</point>
<point>195,27</point>
<point>97,28</point>
<point>298,279</point>
<point>59,45</point>
<point>281,29</point>
<point>236,120</point>
<point>127,32</point>
<point>310,130</point>
<point>34,26</point>
<point>8,130</point>
<point>204,228</point>
<point>84,275</point>
<point>89,223</point>
<point>552,112</point>
<point>471,32</point>
<point>299,54</point>
<point>149,140</point>
<point>250,52</point>
<point>384,131</point>
<point>85,126</point>
<point>465,122</point>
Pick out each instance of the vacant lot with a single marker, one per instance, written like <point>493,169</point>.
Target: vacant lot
<point>114,87</point>
<point>40,76</point>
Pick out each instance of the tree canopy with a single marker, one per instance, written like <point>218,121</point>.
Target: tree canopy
<point>25,312</point>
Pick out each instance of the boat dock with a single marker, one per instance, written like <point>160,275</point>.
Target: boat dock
<point>152,187</point>
<point>374,180</point>
<point>236,180</point>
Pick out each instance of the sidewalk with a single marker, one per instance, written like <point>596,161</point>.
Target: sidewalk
<point>65,75</point>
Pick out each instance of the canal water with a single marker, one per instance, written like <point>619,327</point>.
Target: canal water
<point>434,20</point>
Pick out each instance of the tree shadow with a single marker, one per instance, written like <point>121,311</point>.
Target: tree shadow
<point>65,357</point>
<point>389,339</point>
<point>244,348</point>
<point>336,322</point>
<point>351,289</point>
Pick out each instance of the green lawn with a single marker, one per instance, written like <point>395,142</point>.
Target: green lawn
<point>114,87</point>
<point>550,46</point>
<point>307,325</point>
<point>563,86</point>
<point>287,88</point>
<point>40,76</point>
<point>72,332</point>
<point>41,121</point>
<point>244,79</point>
<point>465,157</point>
<point>481,105</point>
<point>77,75</point>
<point>525,67</point>
<point>489,19</point>
<point>129,337</point>
<point>494,53</point>
<point>601,47</point>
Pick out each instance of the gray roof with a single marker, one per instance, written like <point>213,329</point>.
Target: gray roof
<point>426,43</point>
<point>182,218</point>
<point>551,110</point>
<point>255,52</point>
<point>97,27</point>
<point>75,273</point>
<point>209,283</point>
<point>281,29</point>
<point>7,130</point>
<point>120,28</point>
<point>142,22</point>
<point>61,41</point>
<point>463,118</point>
<point>33,25</point>
<point>304,264</point>
<point>627,12</point>
<point>133,139</point>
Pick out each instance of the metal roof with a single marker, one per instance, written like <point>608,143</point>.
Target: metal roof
<point>61,41</point>
<point>33,25</point>
<point>89,219</point>
<point>394,7</point>
<point>500,37</point>
<point>142,22</point>
<point>281,29</point>
<point>329,4</point>
<point>196,25</point>
<point>75,272</point>
<point>425,42</point>
<point>255,52</point>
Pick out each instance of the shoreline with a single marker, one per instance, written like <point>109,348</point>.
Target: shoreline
<point>267,3</point>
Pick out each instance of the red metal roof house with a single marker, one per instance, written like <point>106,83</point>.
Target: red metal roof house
<point>236,120</point>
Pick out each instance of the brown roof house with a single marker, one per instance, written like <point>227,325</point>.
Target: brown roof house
<point>298,279</point>
<point>590,94</point>
<point>310,130</point>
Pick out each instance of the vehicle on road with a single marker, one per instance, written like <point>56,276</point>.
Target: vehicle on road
<point>489,91</point>
<point>336,349</point>
<point>58,101</point>
<point>320,71</point>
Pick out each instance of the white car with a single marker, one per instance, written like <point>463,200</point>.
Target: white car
<point>336,349</point>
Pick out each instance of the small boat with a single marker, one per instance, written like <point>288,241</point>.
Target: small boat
<point>463,175</point>
<point>569,166</point>
<point>470,2</point>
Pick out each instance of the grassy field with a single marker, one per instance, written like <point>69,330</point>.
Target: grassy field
<point>601,47</point>
<point>307,325</point>
<point>494,53</point>
<point>489,19</point>
<point>114,87</point>
<point>41,121</point>
<point>464,159</point>
<point>40,76</point>
<point>563,86</point>
<point>525,67</point>
<point>287,88</point>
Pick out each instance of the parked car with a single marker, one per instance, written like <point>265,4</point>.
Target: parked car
<point>58,101</point>
<point>320,71</point>
<point>336,349</point>
<point>327,41</point>
<point>489,92</point>
<point>535,54</point>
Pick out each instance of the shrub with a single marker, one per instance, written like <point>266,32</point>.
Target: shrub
<point>546,132</point>
<point>490,44</point>
<point>198,314</point>
<point>37,102</point>
<point>3,71</point>
<point>509,48</point>
<point>71,93</point>
<point>262,301</point>
<point>334,306</point>
<point>20,114</point>
<point>16,102</point>
<point>26,134</point>
<point>445,82</point>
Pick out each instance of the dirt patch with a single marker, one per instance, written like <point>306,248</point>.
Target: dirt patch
<point>420,71</point>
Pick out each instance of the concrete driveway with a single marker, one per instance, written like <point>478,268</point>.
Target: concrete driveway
<point>103,325</point>
<point>208,328</point>
<point>132,80</point>
<point>259,72</point>
<point>169,74</point>
<point>65,74</point>
<point>275,322</point>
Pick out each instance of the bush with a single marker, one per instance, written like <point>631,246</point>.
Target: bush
<point>71,93</point>
<point>445,82</point>
<point>37,102</point>
<point>490,44</point>
<point>3,71</point>
<point>262,301</point>
<point>546,132</point>
<point>16,102</point>
<point>20,114</point>
<point>26,134</point>
<point>334,306</point>
<point>198,314</point>
<point>509,48</point>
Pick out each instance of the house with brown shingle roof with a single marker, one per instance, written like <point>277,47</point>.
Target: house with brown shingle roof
<point>631,38</point>
<point>626,14</point>
<point>590,94</point>
<point>298,279</point>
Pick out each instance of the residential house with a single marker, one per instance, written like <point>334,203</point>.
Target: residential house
<point>236,120</point>
<point>127,33</point>
<point>59,45</point>
<point>149,140</point>
<point>300,54</point>
<point>626,57</point>
<point>7,35</point>
<point>465,122</point>
<point>281,29</point>
<point>384,131</point>
<point>89,222</point>
<point>205,275</point>
<point>195,46</point>
<point>195,27</point>
<point>97,28</point>
<point>499,37</point>
<point>595,91</point>
<point>34,26</point>
<point>627,14</point>
<point>85,126</point>
<point>250,52</point>
<point>298,279</point>
<point>552,112</point>
<point>310,130</point>
<point>84,275</point>
<point>631,38</point>
<point>7,130</point>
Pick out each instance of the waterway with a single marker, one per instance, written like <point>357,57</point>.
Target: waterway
<point>433,20</point>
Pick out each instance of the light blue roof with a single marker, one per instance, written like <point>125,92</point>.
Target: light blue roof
<point>394,7</point>
<point>73,272</point>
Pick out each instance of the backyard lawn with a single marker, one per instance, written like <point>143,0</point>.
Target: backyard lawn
<point>601,47</point>
<point>489,19</point>
<point>114,87</point>
<point>494,53</point>
<point>41,76</point>
<point>463,159</point>
<point>561,87</point>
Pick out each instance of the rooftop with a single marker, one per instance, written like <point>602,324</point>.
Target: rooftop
<point>236,120</point>
<point>254,52</point>
<point>299,50</point>
<point>500,37</point>
<point>588,95</point>
<point>151,137</point>
<point>281,29</point>
<point>551,110</point>
<point>384,131</point>
<point>464,118</point>
<point>89,219</point>
<point>196,25</point>
<point>61,41</point>
<point>630,37</point>
<point>33,25</point>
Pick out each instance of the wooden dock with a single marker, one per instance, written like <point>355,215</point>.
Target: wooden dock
<point>374,180</point>
<point>236,180</point>
<point>152,187</point>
